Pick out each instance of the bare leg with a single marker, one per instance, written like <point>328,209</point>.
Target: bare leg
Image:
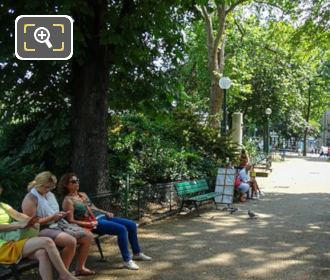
<point>45,267</point>
<point>82,255</point>
<point>253,187</point>
<point>255,184</point>
<point>36,243</point>
<point>69,244</point>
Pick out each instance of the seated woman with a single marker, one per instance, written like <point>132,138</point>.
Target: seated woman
<point>41,202</point>
<point>81,211</point>
<point>42,249</point>
<point>247,182</point>
<point>244,185</point>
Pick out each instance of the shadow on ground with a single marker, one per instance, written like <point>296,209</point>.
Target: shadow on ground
<point>289,240</point>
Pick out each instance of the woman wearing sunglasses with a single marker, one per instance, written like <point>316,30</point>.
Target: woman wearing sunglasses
<point>42,249</point>
<point>41,202</point>
<point>85,214</point>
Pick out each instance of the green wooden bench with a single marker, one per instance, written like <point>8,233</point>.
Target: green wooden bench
<point>262,161</point>
<point>194,192</point>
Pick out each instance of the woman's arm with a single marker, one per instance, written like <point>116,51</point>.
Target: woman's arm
<point>14,226</point>
<point>86,198</point>
<point>17,215</point>
<point>29,207</point>
<point>67,206</point>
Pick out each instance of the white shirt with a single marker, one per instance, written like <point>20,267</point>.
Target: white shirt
<point>244,175</point>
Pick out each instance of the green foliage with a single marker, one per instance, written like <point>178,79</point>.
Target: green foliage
<point>164,149</point>
<point>28,148</point>
<point>14,178</point>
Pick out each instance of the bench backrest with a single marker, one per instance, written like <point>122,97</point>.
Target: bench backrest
<point>191,187</point>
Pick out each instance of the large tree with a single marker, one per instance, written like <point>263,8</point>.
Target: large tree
<point>214,14</point>
<point>116,48</point>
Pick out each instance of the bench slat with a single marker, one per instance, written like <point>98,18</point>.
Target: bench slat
<point>205,196</point>
<point>192,187</point>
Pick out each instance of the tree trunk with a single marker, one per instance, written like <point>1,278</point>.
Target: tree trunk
<point>215,59</point>
<point>89,104</point>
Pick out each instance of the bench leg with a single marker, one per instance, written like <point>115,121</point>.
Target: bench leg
<point>197,208</point>
<point>216,205</point>
<point>181,206</point>
<point>15,272</point>
<point>98,243</point>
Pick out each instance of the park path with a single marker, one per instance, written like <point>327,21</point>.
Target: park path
<point>289,240</point>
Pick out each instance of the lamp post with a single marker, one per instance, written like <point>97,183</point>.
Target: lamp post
<point>268,112</point>
<point>224,83</point>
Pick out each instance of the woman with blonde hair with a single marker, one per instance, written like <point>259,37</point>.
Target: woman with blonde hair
<point>41,202</point>
<point>41,248</point>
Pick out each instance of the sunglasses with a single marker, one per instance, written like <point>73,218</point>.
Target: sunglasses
<point>74,181</point>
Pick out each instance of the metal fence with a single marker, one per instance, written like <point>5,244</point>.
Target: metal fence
<point>135,201</point>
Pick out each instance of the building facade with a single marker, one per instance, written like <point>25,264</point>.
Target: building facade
<point>325,134</point>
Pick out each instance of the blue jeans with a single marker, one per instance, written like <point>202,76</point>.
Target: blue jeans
<point>125,230</point>
<point>243,187</point>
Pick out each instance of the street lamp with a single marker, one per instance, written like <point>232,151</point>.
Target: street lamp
<point>266,146</point>
<point>224,83</point>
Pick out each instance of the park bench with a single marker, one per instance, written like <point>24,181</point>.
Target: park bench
<point>262,161</point>
<point>15,270</point>
<point>194,192</point>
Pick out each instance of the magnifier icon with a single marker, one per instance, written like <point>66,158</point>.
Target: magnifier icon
<point>41,35</point>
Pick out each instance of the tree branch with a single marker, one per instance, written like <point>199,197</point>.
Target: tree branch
<point>221,29</point>
<point>240,28</point>
<point>208,25</point>
<point>234,5</point>
<point>198,8</point>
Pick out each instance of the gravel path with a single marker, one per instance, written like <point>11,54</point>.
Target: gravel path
<point>289,240</point>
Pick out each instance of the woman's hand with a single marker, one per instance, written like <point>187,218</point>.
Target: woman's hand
<point>59,216</point>
<point>94,224</point>
<point>29,222</point>
<point>109,215</point>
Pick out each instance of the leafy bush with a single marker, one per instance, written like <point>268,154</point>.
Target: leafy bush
<point>165,148</point>
<point>28,148</point>
<point>14,179</point>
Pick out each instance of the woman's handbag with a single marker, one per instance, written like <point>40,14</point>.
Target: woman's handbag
<point>237,181</point>
<point>90,219</point>
<point>72,229</point>
<point>20,233</point>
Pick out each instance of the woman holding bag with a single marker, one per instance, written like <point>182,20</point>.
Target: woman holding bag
<point>82,212</point>
<point>42,202</point>
<point>12,249</point>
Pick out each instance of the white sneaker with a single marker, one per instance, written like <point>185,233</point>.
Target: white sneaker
<point>131,265</point>
<point>142,257</point>
<point>255,197</point>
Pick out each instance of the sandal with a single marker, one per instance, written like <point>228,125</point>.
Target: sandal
<point>83,273</point>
